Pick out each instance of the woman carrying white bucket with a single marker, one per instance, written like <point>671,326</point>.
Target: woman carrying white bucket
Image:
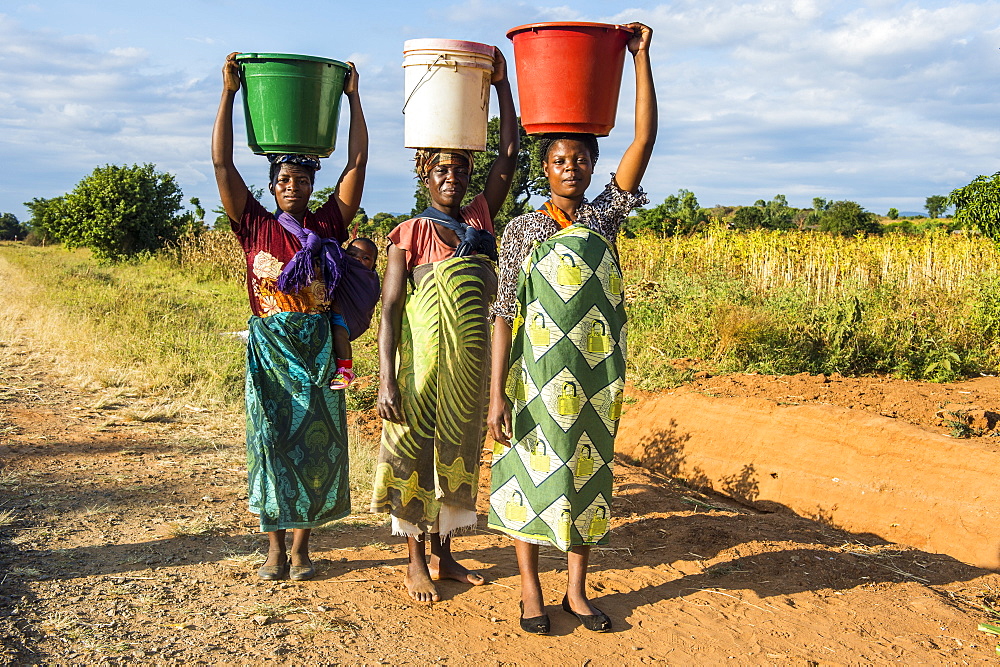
<point>434,342</point>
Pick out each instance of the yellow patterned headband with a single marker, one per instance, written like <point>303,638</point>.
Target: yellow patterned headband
<point>428,158</point>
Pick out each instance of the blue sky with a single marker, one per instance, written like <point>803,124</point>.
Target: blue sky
<point>880,102</point>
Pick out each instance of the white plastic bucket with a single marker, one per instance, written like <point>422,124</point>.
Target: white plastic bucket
<point>446,93</point>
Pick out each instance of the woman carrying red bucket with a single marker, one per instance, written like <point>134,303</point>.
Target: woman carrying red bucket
<point>559,344</point>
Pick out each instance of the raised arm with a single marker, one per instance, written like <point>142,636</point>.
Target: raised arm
<point>501,175</point>
<point>232,189</point>
<point>633,164</point>
<point>352,180</point>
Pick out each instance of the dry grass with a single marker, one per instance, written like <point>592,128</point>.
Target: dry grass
<point>822,264</point>
<point>215,254</point>
<point>363,453</point>
<point>191,528</point>
<point>917,307</point>
<point>9,479</point>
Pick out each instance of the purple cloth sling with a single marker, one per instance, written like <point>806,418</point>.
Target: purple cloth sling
<point>298,273</point>
<point>354,287</point>
<point>357,295</point>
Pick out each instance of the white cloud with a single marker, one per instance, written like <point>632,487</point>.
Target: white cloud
<point>882,101</point>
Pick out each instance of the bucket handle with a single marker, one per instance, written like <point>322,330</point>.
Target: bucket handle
<point>424,78</point>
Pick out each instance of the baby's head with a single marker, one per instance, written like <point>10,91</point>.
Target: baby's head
<point>364,250</point>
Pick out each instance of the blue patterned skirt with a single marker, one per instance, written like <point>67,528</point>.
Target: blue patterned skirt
<point>297,463</point>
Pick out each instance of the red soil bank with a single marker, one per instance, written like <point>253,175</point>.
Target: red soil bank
<point>859,471</point>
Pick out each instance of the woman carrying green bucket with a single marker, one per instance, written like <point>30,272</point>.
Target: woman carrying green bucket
<point>296,424</point>
<point>559,357</point>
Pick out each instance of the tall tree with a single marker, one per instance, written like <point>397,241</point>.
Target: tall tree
<point>678,214</point>
<point>748,217</point>
<point>10,228</point>
<point>222,220</point>
<point>319,197</point>
<point>119,212</point>
<point>936,205</point>
<point>774,214</point>
<point>46,217</point>
<point>848,218</point>
<point>978,205</point>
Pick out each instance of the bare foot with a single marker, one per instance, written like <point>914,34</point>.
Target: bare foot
<point>419,584</point>
<point>449,568</point>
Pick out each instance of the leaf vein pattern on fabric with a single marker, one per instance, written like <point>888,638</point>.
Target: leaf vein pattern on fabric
<point>296,425</point>
<point>433,457</point>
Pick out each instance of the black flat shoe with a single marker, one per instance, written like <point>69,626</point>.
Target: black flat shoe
<point>301,572</point>
<point>599,622</point>
<point>538,625</point>
<point>273,572</point>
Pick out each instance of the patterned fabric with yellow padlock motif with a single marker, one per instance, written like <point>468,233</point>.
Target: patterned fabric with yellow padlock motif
<point>568,272</point>
<point>615,410</point>
<point>538,333</point>
<point>598,522</point>
<point>598,340</point>
<point>585,462</point>
<point>565,526</point>
<point>563,438</point>
<point>521,387</point>
<point>517,511</point>
<point>569,400</point>
<point>614,282</point>
<point>540,460</point>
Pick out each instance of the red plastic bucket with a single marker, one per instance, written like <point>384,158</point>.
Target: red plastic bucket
<point>569,75</point>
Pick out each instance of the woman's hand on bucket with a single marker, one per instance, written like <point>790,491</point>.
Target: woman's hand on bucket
<point>642,35</point>
<point>351,83</point>
<point>499,66</point>
<point>231,73</point>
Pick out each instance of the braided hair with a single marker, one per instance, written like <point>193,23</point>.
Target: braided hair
<point>545,142</point>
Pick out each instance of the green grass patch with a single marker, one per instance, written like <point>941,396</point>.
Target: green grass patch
<point>153,325</point>
<point>778,302</point>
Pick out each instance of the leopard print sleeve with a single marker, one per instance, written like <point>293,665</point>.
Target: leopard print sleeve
<point>609,209</point>
<point>519,237</point>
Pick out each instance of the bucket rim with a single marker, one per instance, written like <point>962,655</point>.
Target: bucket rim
<point>243,57</point>
<point>432,43</point>
<point>564,24</point>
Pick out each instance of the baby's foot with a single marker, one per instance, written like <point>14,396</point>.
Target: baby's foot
<point>342,378</point>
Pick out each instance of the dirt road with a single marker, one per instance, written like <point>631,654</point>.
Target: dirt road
<point>124,538</point>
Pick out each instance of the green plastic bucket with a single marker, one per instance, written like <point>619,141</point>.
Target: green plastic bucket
<point>291,103</point>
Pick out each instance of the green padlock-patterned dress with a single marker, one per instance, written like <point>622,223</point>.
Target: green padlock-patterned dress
<point>567,375</point>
